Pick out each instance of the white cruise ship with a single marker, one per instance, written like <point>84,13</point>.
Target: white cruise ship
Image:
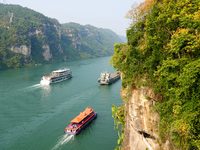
<point>56,76</point>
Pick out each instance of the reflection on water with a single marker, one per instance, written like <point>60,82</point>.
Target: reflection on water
<point>104,88</point>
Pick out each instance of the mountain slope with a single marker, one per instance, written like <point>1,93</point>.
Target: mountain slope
<point>88,40</point>
<point>28,37</point>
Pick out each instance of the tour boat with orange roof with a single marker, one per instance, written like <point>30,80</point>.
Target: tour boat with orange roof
<point>81,121</point>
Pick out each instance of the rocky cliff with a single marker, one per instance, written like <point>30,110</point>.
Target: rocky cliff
<point>141,122</point>
<point>159,54</point>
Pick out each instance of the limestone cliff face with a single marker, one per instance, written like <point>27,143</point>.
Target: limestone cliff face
<point>141,123</point>
<point>76,41</point>
<point>58,29</point>
<point>60,48</point>
<point>36,32</point>
<point>47,54</point>
<point>74,37</point>
<point>23,49</point>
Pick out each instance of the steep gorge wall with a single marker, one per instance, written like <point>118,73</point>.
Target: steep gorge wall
<point>24,49</point>
<point>141,123</point>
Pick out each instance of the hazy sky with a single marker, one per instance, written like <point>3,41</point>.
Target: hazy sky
<point>99,13</point>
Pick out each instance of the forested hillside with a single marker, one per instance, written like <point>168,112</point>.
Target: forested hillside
<point>163,52</point>
<point>88,40</point>
<point>23,32</point>
<point>28,37</point>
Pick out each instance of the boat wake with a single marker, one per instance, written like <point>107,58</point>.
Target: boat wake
<point>36,86</point>
<point>63,140</point>
<point>22,90</point>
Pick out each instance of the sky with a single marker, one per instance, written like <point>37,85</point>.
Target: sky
<point>108,14</point>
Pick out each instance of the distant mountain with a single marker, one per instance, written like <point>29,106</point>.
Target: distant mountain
<point>28,37</point>
<point>123,38</point>
<point>88,41</point>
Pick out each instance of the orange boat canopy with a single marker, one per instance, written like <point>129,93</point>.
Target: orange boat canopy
<point>82,115</point>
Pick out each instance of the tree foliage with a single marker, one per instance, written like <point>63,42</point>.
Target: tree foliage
<point>163,51</point>
<point>119,121</point>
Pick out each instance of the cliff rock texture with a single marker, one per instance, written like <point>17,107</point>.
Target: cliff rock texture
<point>141,123</point>
<point>47,54</point>
<point>25,50</point>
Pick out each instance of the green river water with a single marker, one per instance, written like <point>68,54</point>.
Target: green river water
<point>34,117</point>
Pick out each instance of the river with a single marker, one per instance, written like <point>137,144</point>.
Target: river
<point>34,117</point>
